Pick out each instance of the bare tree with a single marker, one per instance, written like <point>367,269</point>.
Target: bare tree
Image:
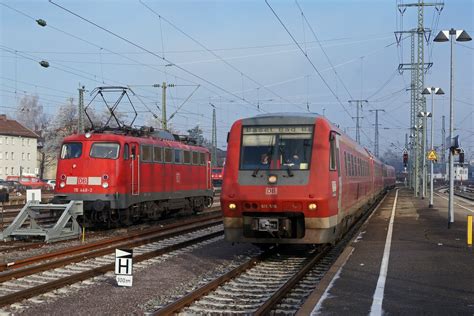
<point>30,113</point>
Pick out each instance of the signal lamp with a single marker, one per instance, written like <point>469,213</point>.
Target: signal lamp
<point>88,135</point>
<point>272,179</point>
<point>105,185</point>
<point>312,206</point>
<point>62,184</point>
<point>232,206</point>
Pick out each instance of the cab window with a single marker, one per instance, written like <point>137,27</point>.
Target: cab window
<point>105,150</point>
<point>71,150</point>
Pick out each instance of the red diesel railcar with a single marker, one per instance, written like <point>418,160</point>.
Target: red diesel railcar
<point>123,178</point>
<point>296,178</point>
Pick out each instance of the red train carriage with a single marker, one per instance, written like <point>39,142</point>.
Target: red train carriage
<point>123,178</point>
<point>296,178</point>
<point>216,176</point>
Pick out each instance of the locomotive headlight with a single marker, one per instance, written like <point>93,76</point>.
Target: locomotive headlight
<point>62,184</point>
<point>272,179</point>
<point>232,206</point>
<point>312,206</point>
<point>105,185</point>
<point>88,135</point>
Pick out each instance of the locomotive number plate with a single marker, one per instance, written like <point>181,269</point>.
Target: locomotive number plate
<point>268,224</point>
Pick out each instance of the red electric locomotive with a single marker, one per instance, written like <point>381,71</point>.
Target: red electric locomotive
<point>124,177</point>
<point>296,178</point>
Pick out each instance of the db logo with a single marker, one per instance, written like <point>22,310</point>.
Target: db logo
<point>271,191</point>
<point>82,180</point>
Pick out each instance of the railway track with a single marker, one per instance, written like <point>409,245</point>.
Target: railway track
<point>37,275</point>
<point>6,219</point>
<point>275,282</point>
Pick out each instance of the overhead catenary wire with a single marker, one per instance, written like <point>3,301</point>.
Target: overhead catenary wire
<point>100,47</point>
<point>309,59</point>
<point>322,48</point>
<point>151,53</point>
<point>242,74</point>
<point>369,37</point>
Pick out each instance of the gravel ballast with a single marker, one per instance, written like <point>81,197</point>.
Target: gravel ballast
<point>153,285</point>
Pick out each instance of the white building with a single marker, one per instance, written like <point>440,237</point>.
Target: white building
<point>18,149</point>
<point>461,173</point>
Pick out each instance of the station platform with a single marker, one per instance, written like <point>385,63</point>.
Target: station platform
<point>424,268</point>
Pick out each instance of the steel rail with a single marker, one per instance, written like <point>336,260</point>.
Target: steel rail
<point>106,242</point>
<point>291,283</point>
<point>15,274</point>
<point>188,299</point>
<point>266,308</point>
<point>40,289</point>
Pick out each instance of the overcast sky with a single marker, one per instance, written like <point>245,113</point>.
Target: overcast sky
<point>252,65</point>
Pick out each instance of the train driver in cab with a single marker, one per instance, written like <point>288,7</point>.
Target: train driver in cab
<point>293,160</point>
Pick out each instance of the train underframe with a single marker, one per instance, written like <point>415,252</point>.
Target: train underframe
<point>109,214</point>
<point>293,227</point>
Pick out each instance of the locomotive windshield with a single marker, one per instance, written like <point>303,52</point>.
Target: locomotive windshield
<point>105,150</point>
<point>276,147</point>
<point>71,150</point>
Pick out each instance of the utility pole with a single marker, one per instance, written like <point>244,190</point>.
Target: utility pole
<point>214,138</point>
<point>80,114</point>
<point>164,119</point>
<point>443,142</point>
<point>376,146</point>
<point>418,67</point>
<point>359,104</point>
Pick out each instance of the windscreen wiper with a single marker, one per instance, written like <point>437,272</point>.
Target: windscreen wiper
<point>288,170</point>
<point>255,172</point>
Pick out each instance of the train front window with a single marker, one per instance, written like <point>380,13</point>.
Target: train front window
<point>105,150</point>
<point>275,147</point>
<point>71,150</point>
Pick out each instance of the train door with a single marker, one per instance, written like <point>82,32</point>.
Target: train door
<point>335,176</point>
<point>135,168</point>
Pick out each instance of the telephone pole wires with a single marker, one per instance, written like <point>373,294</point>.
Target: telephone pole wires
<point>80,114</point>
<point>376,145</point>
<point>214,137</point>
<point>164,120</point>
<point>418,67</point>
<point>359,104</point>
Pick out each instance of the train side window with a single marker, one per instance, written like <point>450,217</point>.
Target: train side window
<point>357,166</point>
<point>202,159</point>
<point>146,153</point>
<point>332,151</point>
<point>157,154</point>
<point>168,155</point>
<point>352,166</point>
<point>195,158</point>
<point>345,162</point>
<point>126,152</point>
<point>187,157</point>
<point>178,156</point>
